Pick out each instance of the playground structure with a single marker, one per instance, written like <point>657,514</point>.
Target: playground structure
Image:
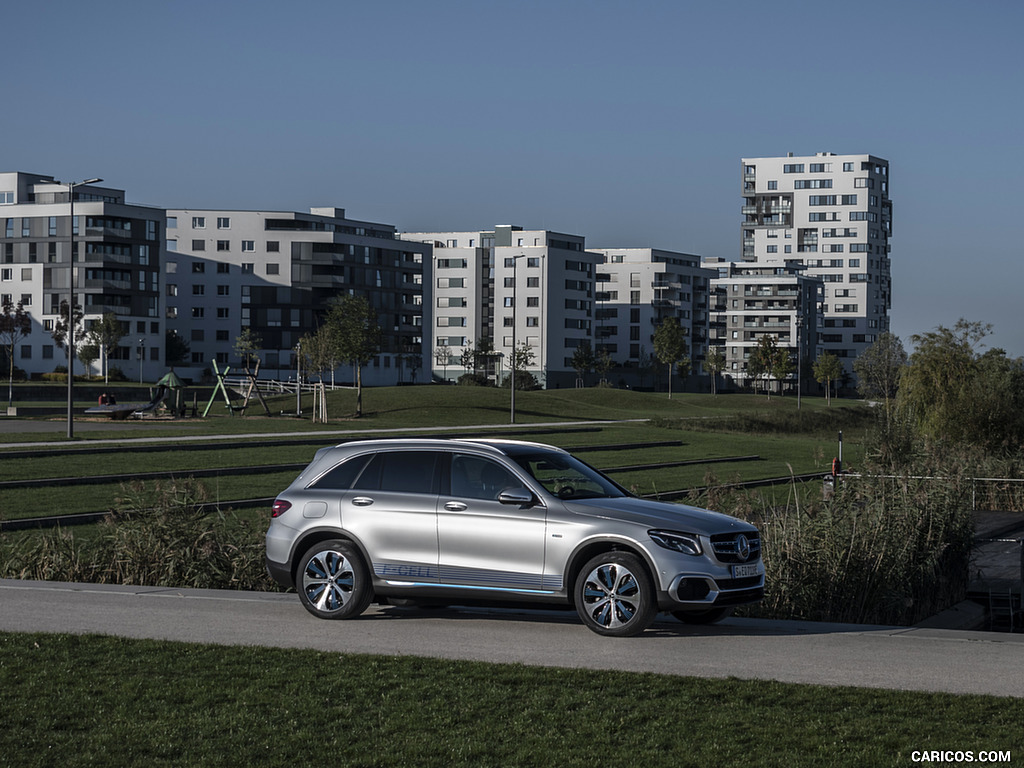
<point>221,389</point>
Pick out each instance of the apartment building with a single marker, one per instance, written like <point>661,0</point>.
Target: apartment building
<point>770,297</point>
<point>637,289</point>
<point>507,286</point>
<point>274,272</point>
<point>832,215</point>
<point>116,269</point>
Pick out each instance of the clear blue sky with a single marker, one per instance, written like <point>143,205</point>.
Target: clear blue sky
<point>621,121</point>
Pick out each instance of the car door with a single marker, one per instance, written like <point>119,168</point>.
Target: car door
<point>482,542</point>
<point>392,510</point>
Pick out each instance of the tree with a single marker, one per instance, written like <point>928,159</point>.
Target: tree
<point>827,369</point>
<point>603,363</point>
<point>357,335</point>
<point>106,333</point>
<point>957,394</point>
<point>522,357</point>
<point>247,347</point>
<point>766,360</point>
<point>467,358</point>
<point>15,325</point>
<point>879,369</point>
<point>582,360</point>
<point>176,349</point>
<point>318,353</point>
<point>88,354</point>
<point>714,361</point>
<point>61,326</point>
<point>443,356</point>
<point>670,346</point>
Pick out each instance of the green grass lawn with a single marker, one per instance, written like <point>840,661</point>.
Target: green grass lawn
<point>100,701</point>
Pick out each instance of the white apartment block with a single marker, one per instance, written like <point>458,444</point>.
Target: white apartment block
<point>117,257</point>
<point>274,272</point>
<point>637,289</point>
<point>832,215</point>
<point>491,288</point>
<point>769,297</point>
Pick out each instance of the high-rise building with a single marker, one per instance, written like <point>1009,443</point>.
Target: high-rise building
<point>832,215</point>
<point>533,288</point>
<point>754,299</point>
<point>274,273</point>
<point>117,269</point>
<point>637,289</point>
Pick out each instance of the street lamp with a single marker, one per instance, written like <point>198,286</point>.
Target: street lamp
<point>142,357</point>
<point>71,302</point>
<point>513,358</point>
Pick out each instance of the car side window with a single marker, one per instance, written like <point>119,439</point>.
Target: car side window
<point>400,472</point>
<point>340,477</point>
<point>477,478</point>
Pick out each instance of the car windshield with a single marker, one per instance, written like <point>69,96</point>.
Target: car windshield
<point>567,477</point>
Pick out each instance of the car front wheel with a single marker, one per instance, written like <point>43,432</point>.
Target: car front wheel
<point>333,581</point>
<point>614,595</point>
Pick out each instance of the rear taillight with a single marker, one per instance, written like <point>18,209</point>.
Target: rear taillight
<point>280,507</point>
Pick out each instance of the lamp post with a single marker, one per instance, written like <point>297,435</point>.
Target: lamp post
<point>71,185</point>
<point>513,358</point>
<point>142,357</point>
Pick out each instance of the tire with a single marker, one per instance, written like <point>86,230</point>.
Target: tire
<point>614,595</point>
<point>333,581</point>
<point>707,616</point>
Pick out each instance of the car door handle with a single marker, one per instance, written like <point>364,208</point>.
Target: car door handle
<point>455,506</point>
<point>362,501</point>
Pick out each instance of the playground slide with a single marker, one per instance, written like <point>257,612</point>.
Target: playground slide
<point>152,405</point>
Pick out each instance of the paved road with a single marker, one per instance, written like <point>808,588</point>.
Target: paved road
<point>798,652</point>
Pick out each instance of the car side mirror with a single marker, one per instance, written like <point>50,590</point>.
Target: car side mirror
<point>516,497</point>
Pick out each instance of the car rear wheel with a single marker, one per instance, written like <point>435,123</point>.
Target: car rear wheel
<point>614,595</point>
<point>333,581</point>
<point>707,616</point>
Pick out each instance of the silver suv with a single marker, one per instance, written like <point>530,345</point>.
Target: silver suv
<point>459,521</point>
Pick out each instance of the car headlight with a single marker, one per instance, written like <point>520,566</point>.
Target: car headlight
<point>687,543</point>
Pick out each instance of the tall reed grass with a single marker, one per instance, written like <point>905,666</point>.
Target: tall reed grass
<point>880,550</point>
<point>157,535</point>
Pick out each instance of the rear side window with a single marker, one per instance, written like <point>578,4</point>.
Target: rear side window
<point>401,472</point>
<point>341,477</point>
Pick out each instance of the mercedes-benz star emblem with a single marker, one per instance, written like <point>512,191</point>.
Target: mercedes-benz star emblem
<point>742,547</point>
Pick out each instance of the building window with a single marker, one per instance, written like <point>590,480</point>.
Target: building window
<point>172,222</point>
<point>198,290</point>
<point>198,312</point>
<point>273,269</point>
<point>223,290</point>
<point>793,168</point>
<point>198,267</point>
<point>198,245</point>
<point>223,245</point>
<point>273,246</point>
<point>223,269</point>
<point>172,245</point>
<point>247,268</point>
<point>847,167</point>
<point>248,245</point>
<point>773,185</point>
<point>222,313</point>
<point>223,222</point>
<point>198,222</point>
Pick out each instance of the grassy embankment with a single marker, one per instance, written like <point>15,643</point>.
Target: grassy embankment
<point>454,408</point>
<point>103,701</point>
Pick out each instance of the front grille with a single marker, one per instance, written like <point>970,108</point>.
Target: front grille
<point>726,547</point>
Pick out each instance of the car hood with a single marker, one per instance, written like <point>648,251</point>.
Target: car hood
<point>659,514</point>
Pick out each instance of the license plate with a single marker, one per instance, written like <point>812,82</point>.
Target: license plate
<point>744,571</point>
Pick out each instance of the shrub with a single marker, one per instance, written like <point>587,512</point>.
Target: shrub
<point>158,535</point>
<point>881,550</point>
